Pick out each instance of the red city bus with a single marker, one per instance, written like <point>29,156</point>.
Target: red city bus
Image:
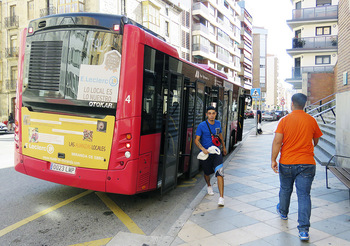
<point>107,105</point>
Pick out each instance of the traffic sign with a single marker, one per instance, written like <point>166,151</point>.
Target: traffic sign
<point>255,93</point>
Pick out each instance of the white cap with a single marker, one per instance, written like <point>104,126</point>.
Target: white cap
<point>202,156</point>
<point>214,150</point>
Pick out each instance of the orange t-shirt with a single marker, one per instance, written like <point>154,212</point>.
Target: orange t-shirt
<point>298,129</point>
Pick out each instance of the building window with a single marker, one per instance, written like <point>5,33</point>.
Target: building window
<point>151,17</point>
<point>211,10</point>
<point>187,40</point>
<point>13,42</point>
<point>212,47</point>
<point>167,28</point>
<point>30,10</point>
<point>13,11</point>
<point>226,5</point>
<point>70,6</point>
<point>323,60</point>
<point>212,29</point>
<point>320,3</point>
<point>186,19</point>
<point>323,30</point>
<point>167,11</point>
<point>185,37</point>
<point>13,80</point>
<point>0,71</point>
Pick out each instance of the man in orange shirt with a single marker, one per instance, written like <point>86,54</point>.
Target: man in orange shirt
<point>295,137</point>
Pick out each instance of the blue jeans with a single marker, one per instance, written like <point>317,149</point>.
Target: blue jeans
<point>303,175</point>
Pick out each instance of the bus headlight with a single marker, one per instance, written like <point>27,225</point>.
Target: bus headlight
<point>127,154</point>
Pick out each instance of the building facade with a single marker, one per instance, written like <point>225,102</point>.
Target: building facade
<point>343,86</point>
<point>314,46</point>
<point>271,83</point>
<point>216,34</point>
<point>246,47</point>
<point>260,62</point>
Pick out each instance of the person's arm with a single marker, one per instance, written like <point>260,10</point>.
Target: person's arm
<point>223,144</point>
<point>316,141</point>
<point>199,145</point>
<point>276,147</point>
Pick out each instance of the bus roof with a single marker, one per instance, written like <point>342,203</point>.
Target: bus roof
<point>105,21</point>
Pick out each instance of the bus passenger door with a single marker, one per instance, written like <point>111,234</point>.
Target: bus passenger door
<point>198,117</point>
<point>189,95</point>
<point>241,105</point>
<point>172,129</point>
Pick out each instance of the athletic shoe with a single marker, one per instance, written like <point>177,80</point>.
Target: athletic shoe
<point>221,202</point>
<point>210,191</point>
<point>283,217</point>
<point>304,236</point>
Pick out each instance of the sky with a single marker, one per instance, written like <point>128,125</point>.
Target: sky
<point>272,15</point>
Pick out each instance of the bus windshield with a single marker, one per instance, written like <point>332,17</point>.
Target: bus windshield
<point>72,71</point>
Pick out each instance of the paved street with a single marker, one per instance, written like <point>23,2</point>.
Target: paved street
<point>37,212</point>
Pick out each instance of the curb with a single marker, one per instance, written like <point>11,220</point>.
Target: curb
<point>128,238</point>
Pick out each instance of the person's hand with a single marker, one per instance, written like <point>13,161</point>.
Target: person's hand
<point>224,151</point>
<point>205,151</point>
<point>274,166</point>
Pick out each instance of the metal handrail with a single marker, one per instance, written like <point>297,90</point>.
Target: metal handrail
<point>325,111</point>
<point>319,101</point>
<point>328,163</point>
<point>321,106</point>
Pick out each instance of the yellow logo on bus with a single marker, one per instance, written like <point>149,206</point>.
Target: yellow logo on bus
<point>68,140</point>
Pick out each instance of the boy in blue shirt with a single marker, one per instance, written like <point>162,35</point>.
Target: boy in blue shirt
<point>214,162</point>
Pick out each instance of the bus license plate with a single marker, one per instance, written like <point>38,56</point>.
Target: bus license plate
<point>62,168</point>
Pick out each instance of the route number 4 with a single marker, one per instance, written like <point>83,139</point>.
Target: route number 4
<point>127,99</point>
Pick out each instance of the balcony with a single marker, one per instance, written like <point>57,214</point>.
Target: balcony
<point>11,22</point>
<point>47,11</point>
<point>201,28</point>
<point>223,57</point>
<point>301,45</point>
<point>326,12</point>
<point>318,14</point>
<point>298,71</point>
<point>11,52</point>
<point>200,9</point>
<point>11,84</point>
<point>199,48</point>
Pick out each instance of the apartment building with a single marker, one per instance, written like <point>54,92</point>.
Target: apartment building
<point>161,16</point>
<point>246,47</point>
<point>271,82</point>
<point>260,62</point>
<point>314,47</point>
<point>343,84</point>
<point>216,35</point>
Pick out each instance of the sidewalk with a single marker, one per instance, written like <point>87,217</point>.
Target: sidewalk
<point>251,195</point>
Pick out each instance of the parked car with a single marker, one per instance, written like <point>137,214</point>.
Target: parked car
<point>3,127</point>
<point>248,114</point>
<point>280,114</point>
<point>268,116</point>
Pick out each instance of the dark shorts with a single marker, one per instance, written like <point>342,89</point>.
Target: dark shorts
<point>214,164</point>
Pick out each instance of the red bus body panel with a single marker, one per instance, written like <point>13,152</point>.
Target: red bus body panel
<point>124,176</point>
<point>135,174</point>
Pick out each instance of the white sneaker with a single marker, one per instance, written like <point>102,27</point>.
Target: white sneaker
<point>221,202</point>
<point>210,191</point>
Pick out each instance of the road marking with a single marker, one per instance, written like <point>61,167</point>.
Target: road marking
<point>99,242</point>
<point>123,217</point>
<point>190,183</point>
<point>44,212</point>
